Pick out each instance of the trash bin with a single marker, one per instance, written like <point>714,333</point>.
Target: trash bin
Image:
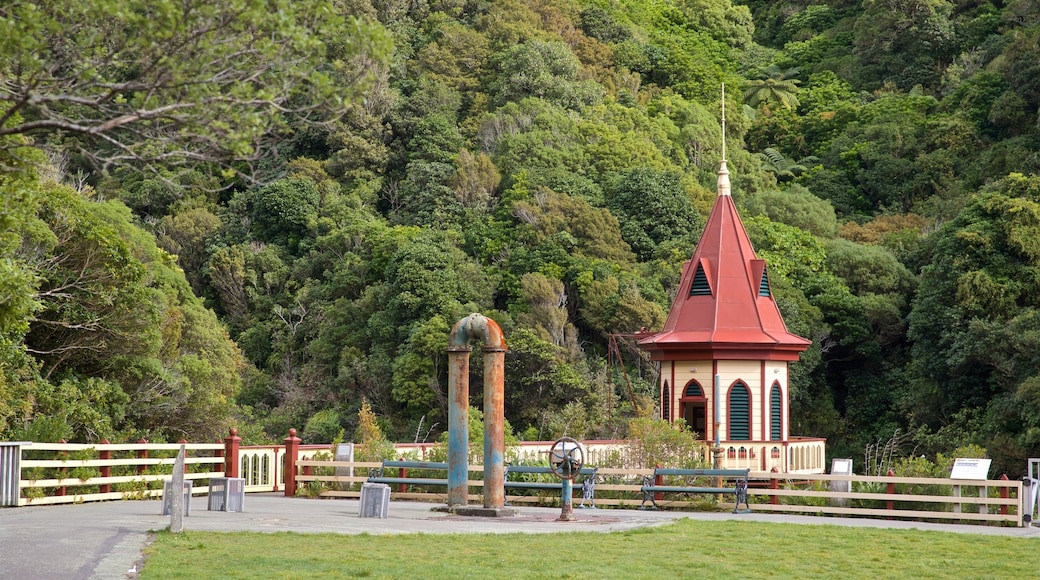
<point>375,500</point>
<point>168,497</point>
<point>227,494</point>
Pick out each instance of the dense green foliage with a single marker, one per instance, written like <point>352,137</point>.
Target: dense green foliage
<point>548,163</point>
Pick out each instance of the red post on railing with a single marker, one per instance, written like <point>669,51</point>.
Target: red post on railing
<point>292,453</point>
<point>774,483</point>
<point>231,444</point>
<point>63,470</point>
<point>891,490</point>
<point>401,487</point>
<point>106,470</point>
<point>658,482</point>
<point>1005,493</point>
<point>142,454</point>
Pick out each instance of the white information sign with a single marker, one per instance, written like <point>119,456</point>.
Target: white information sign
<point>841,466</point>
<point>970,469</point>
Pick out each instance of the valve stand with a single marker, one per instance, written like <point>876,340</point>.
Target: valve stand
<point>565,460</point>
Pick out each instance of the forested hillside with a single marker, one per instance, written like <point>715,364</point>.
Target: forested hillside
<point>261,214</point>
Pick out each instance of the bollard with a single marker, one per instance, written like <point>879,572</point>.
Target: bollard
<point>292,453</point>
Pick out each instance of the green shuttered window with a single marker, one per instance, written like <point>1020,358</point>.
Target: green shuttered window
<point>775,408</point>
<point>700,285</point>
<point>739,412</point>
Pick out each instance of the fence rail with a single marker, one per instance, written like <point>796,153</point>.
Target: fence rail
<point>46,473</point>
<point>998,501</point>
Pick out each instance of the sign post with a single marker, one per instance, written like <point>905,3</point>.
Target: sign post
<point>976,469</point>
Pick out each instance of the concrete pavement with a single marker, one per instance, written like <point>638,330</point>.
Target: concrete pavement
<point>104,540</point>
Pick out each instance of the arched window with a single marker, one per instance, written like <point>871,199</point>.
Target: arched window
<point>775,413</point>
<point>739,412</point>
<point>693,390</point>
<point>666,402</point>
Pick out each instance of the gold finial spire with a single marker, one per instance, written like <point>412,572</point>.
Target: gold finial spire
<point>723,183</point>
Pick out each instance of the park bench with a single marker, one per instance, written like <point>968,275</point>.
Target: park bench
<point>378,475</point>
<point>737,479</point>
<point>588,486</point>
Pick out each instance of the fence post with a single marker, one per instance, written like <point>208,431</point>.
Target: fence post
<point>774,483</point>
<point>142,454</point>
<point>62,470</point>
<point>890,488</point>
<point>401,487</point>
<point>292,453</point>
<point>1005,493</point>
<point>106,470</point>
<point>231,444</point>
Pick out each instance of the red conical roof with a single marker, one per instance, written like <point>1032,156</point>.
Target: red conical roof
<point>724,308</point>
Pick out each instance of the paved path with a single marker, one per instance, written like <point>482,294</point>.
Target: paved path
<point>104,540</point>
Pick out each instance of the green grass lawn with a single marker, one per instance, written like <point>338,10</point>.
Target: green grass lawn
<point>687,548</point>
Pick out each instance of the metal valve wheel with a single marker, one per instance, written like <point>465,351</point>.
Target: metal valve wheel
<point>566,458</point>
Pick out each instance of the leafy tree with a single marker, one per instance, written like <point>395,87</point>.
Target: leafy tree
<point>903,41</point>
<point>374,445</point>
<point>600,24</point>
<point>971,319</point>
<point>186,234</point>
<point>775,85</point>
<point>574,223</point>
<point>795,207</point>
<point>476,180</point>
<point>177,83</point>
<point>419,369</point>
<point>538,379</point>
<point>652,207</point>
<point>547,70</point>
<point>282,210</point>
<point>546,313</point>
<point>656,442</point>
<point>781,167</point>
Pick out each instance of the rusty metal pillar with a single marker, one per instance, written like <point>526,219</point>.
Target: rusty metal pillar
<point>476,326</point>
<point>458,424</point>
<point>494,424</point>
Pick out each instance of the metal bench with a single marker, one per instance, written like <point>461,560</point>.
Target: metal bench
<point>377,475</point>
<point>738,477</point>
<point>588,486</point>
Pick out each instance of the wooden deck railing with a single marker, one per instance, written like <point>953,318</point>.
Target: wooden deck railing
<point>53,473</point>
<point>915,498</point>
<point>46,473</point>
